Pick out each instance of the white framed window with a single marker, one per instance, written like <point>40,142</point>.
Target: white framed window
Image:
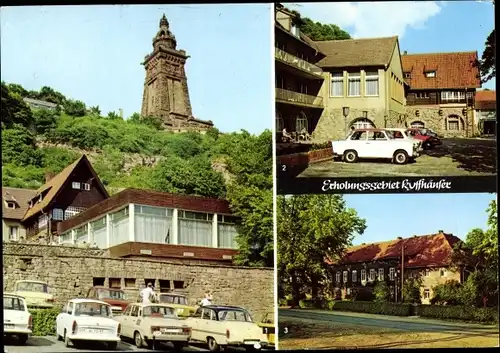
<point>430,74</point>
<point>417,125</point>
<point>76,185</point>
<point>363,275</point>
<point>380,274</point>
<point>453,123</point>
<point>295,30</point>
<point>354,84</point>
<point>427,272</point>
<point>57,214</point>
<point>372,274</point>
<point>195,228</point>
<point>66,238</point>
<point>86,186</point>
<point>392,272</point>
<point>371,83</point>
<point>363,124</point>
<point>11,204</point>
<point>82,235</point>
<point>153,224</point>
<point>427,293</point>
<point>344,276</point>
<point>421,95</point>
<point>337,277</point>
<point>354,275</point>
<point>98,233</point>
<point>337,86</point>
<point>452,95</point>
<point>42,221</point>
<point>227,232</point>
<point>72,211</point>
<point>13,233</point>
<point>119,227</point>
<point>301,122</point>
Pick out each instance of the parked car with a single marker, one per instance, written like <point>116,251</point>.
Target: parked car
<point>268,327</point>
<point>177,301</point>
<point>87,320</point>
<point>226,326</point>
<point>374,143</point>
<point>430,132</point>
<point>401,133</point>
<point>428,141</point>
<point>113,296</point>
<point>36,293</point>
<point>150,323</point>
<point>17,320</point>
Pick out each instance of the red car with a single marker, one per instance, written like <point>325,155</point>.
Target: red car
<point>113,296</point>
<point>428,141</point>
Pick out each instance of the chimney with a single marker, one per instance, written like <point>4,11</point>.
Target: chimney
<point>121,112</point>
<point>48,176</point>
<point>405,53</point>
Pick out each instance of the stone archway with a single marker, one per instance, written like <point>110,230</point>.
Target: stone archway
<point>362,123</point>
<point>417,124</point>
<point>454,123</point>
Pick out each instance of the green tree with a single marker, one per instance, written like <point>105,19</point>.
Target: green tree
<point>381,292</point>
<point>95,110</point>
<point>13,109</point>
<point>312,228</point>
<point>15,88</point>
<point>75,108</point>
<point>411,290</point>
<point>113,116</point>
<point>50,95</point>
<point>446,293</point>
<point>152,121</point>
<point>44,120</point>
<point>18,147</point>
<point>487,63</point>
<point>135,118</point>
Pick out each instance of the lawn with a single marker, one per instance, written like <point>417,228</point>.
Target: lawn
<point>455,157</point>
<point>309,334</point>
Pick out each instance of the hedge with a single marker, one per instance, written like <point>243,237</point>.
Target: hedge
<point>374,307</point>
<point>484,315</point>
<point>44,321</point>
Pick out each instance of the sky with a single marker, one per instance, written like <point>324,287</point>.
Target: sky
<point>94,54</point>
<point>422,26</point>
<point>404,215</point>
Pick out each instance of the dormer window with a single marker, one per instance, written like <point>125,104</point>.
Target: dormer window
<point>407,74</point>
<point>75,185</point>
<point>295,30</point>
<point>11,204</point>
<point>430,74</point>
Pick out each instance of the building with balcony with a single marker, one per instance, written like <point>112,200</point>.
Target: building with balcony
<point>441,92</point>
<point>299,103</point>
<point>485,112</point>
<point>363,86</point>
<point>426,257</point>
<point>143,223</point>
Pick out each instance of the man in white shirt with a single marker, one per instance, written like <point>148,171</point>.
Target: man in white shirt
<point>146,293</point>
<point>207,300</point>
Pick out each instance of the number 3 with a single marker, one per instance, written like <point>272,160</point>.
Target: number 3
<point>285,330</point>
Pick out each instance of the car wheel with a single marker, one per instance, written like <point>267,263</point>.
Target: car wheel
<point>213,346</point>
<point>139,342</point>
<point>427,145</point>
<point>350,156</point>
<point>401,157</point>
<point>22,339</point>
<point>67,341</point>
<point>112,345</point>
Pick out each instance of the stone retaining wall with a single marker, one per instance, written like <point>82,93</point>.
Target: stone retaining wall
<point>70,271</point>
<point>306,158</point>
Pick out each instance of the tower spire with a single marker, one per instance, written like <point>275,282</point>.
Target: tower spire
<point>164,21</point>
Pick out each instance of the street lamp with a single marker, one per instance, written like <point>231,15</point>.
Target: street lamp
<point>345,112</point>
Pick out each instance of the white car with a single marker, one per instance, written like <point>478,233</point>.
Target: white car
<point>17,320</point>
<point>87,320</point>
<point>36,293</point>
<point>376,144</point>
<point>400,133</point>
<point>148,324</point>
<point>226,326</point>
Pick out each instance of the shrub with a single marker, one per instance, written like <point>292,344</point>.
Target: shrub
<point>381,292</point>
<point>362,294</point>
<point>484,315</point>
<point>44,321</point>
<point>447,292</point>
<point>374,308</point>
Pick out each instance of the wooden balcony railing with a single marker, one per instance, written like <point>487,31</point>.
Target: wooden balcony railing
<point>298,98</point>
<point>297,62</point>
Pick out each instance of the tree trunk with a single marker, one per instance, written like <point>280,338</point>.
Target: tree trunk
<point>295,290</point>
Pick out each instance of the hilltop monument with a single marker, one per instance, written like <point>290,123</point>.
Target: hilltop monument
<point>166,93</point>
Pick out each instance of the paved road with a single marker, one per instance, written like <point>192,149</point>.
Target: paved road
<point>50,344</point>
<point>386,322</point>
<point>453,157</point>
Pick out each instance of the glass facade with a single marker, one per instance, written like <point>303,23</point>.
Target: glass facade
<point>119,227</point>
<point>98,233</point>
<point>195,228</point>
<point>153,224</point>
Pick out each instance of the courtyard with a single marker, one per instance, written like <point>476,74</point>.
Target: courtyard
<point>455,157</point>
<point>317,329</point>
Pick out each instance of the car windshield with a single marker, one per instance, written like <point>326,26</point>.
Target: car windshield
<point>173,299</point>
<point>395,134</point>
<point>92,309</point>
<point>234,315</point>
<point>159,311</point>
<point>13,303</point>
<point>32,287</point>
<point>110,294</point>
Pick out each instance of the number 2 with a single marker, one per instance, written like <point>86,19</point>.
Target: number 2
<point>283,168</point>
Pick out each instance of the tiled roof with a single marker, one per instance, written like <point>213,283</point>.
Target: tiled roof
<point>453,70</point>
<point>357,52</point>
<point>50,189</point>
<point>420,251</point>
<point>21,197</point>
<point>486,100</point>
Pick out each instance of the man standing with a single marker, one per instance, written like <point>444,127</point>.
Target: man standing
<point>147,293</point>
<point>207,300</point>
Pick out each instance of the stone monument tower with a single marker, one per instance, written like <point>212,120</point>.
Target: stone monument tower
<point>166,92</point>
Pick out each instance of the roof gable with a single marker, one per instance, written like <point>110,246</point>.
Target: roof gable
<point>357,52</point>
<point>453,70</point>
<point>20,197</point>
<point>420,251</point>
<point>51,189</point>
